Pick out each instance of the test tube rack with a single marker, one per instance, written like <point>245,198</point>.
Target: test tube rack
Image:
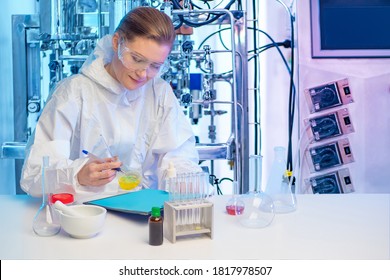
<point>173,210</point>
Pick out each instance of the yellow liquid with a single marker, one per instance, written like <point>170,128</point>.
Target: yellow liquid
<point>129,182</point>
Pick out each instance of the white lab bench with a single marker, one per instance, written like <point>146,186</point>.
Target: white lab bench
<point>353,226</point>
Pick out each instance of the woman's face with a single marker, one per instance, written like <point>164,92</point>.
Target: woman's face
<point>135,63</point>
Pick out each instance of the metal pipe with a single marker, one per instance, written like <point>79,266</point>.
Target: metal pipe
<point>238,174</point>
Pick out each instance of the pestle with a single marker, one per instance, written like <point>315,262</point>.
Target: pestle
<point>66,209</point>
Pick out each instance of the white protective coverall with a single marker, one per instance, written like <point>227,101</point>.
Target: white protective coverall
<point>146,128</point>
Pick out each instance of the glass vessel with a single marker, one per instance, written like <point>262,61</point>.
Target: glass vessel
<point>156,227</point>
<point>259,210</point>
<point>278,187</point>
<point>235,206</point>
<point>45,223</point>
<point>255,173</point>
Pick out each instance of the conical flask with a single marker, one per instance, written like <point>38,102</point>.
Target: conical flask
<point>44,223</point>
<point>278,187</point>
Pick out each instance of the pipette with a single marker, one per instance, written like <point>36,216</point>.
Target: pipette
<point>109,151</point>
<point>95,157</point>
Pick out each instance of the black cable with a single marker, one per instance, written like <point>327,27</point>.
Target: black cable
<point>216,6</point>
<point>178,25</point>
<point>200,8</point>
<point>277,47</point>
<point>221,40</point>
<point>266,47</point>
<point>210,35</point>
<point>176,5</point>
<point>260,50</point>
<point>196,6</point>
<point>292,99</point>
<point>216,183</point>
<point>240,5</point>
<point>225,178</point>
<point>292,90</point>
<point>285,43</point>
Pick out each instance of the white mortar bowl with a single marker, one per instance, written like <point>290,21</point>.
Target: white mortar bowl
<point>88,225</point>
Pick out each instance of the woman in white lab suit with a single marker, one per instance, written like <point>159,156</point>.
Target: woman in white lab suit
<point>117,108</point>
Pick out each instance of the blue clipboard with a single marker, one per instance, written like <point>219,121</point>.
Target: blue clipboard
<point>138,202</point>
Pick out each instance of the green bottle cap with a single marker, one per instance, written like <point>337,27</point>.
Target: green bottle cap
<point>156,212</point>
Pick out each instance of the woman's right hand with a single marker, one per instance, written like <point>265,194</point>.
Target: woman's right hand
<point>98,173</point>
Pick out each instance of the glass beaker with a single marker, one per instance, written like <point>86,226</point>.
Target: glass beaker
<point>235,206</point>
<point>129,179</point>
<point>278,187</point>
<point>45,222</point>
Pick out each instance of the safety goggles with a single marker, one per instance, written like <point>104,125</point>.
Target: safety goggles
<point>136,62</point>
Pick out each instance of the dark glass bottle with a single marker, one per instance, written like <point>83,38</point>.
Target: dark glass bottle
<point>156,227</point>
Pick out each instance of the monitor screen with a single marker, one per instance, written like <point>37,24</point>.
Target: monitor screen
<point>350,28</point>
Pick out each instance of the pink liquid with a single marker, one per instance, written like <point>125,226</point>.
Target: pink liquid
<point>234,209</point>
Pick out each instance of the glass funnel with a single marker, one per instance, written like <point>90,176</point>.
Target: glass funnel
<point>44,223</point>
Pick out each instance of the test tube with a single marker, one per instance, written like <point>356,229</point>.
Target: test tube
<point>204,186</point>
<point>176,190</point>
<point>188,211</point>
<point>193,189</point>
<point>197,199</point>
<point>182,194</point>
<point>169,189</point>
<point>207,184</point>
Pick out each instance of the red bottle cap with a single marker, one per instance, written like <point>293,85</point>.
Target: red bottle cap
<point>65,198</point>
